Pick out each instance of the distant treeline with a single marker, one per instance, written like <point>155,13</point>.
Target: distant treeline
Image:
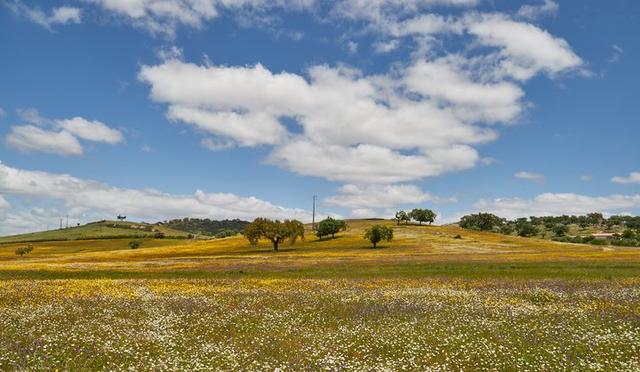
<point>625,230</point>
<point>205,226</point>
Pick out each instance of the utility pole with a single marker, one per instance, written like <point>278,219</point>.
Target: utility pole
<point>67,221</point>
<point>61,224</point>
<point>313,215</point>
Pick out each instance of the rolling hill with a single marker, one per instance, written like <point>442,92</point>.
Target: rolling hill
<point>99,230</point>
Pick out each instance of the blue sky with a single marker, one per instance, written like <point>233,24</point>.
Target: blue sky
<point>225,109</point>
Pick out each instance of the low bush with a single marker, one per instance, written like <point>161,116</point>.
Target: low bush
<point>134,244</point>
<point>21,251</point>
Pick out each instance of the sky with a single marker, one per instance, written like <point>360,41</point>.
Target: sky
<point>245,108</point>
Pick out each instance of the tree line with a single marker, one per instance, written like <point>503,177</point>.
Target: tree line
<point>559,226</point>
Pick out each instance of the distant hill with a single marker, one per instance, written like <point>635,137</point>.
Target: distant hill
<point>100,230</point>
<point>206,226</point>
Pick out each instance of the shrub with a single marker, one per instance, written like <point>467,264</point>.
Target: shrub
<point>21,251</point>
<point>159,235</point>
<point>225,233</point>
<point>598,242</point>
<point>506,229</point>
<point>458,236</point>
<point>628,234</point>
<point>625,243</point>
<point>134,244</point>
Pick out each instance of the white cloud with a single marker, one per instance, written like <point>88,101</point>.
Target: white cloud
<point>586,178</point>
<point>422,118</point>
<point>446,81</point>
<point>80,194</point>
<point>166,16</point>
<point>29,138</point>
<point>32,116</point>
<point>633,177</point>
<point>2,112</point>
<point>558,204</point>
<point>524,48</point>
<point>386,46</point>
<point>91,130</point>
<point>546,8</point>
<point>58,16</point>
<point>380,196</point>
<point>356,128</point>
<point>352,47</point>
<point>63,136</point>
<point>214,144</point>
<point>369,163</point>
<point>4,204</point>
<point>364,213</point>
<point>617,53</point>
<point>530,176</point>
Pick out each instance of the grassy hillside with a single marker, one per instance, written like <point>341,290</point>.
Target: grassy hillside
<point>416,250</point>
<point>98,230</point>
<point>429,300</point>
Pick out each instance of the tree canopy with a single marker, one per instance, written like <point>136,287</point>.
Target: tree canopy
<point>423,215</point>
<point>274,231</point>
<point>481,221</point>
<point>377,233</point>
<point>330,226</point>
<point>402,216</point>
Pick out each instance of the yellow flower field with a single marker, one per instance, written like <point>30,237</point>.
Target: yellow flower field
<point>425,301</point>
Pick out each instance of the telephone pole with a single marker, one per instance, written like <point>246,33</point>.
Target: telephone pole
<point>67,221</point>
<point>313,215</point>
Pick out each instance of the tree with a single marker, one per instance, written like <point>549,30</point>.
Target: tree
<point>628,234</point>
<point>402,216</point>
<point>330,226</point>
<point>423,215</point>
<point>481,221</point>
<point>560,229</point>
<point>526,229</point>
<point>378,233</point>
<point>595,218</point>
<point>21,251</point>
<point>135,244</point>
<point>506,229</point>
<point>275,231</point>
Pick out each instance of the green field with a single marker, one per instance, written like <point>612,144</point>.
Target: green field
<point>425,301</point>
<point>98,230</point>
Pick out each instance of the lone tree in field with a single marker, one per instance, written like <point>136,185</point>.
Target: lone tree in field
<point>402,216</point>
<point>423,215</point>
<point>275,231</point>
<point>330,226</point>
<point>377,233</point>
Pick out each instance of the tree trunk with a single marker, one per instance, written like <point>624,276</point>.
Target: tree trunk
<point>275,244</point>
<point>374,244</point>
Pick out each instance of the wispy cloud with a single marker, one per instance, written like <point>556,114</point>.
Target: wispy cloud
<point>57,16</point>
<point>633,177</point>
<point>530,176</point>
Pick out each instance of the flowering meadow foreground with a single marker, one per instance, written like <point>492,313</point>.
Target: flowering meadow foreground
<point>427,301</point>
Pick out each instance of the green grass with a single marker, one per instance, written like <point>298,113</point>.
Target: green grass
<point>98,230</point>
